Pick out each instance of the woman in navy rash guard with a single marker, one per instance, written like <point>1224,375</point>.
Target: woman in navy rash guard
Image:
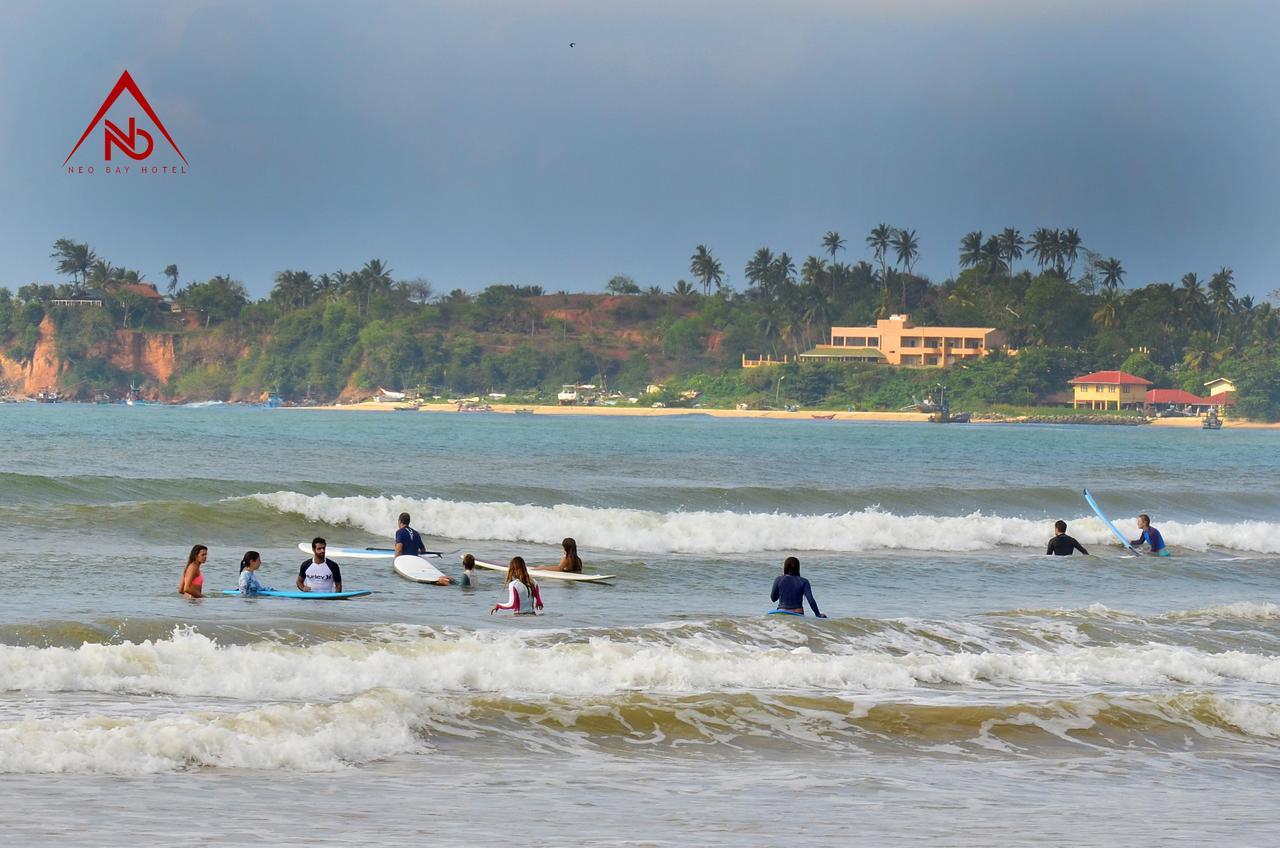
<point>790,590</point>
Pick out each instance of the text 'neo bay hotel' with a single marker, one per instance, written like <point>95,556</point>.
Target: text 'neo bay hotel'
<point>896,341</point>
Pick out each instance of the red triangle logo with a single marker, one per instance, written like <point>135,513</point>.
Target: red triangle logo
<point>126,83</point>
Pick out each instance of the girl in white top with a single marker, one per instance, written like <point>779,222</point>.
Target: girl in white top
<point>522,593</point>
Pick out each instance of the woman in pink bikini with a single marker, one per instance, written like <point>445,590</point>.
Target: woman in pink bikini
<point>192,585</point>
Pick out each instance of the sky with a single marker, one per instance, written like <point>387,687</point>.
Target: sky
<point>469,144</point>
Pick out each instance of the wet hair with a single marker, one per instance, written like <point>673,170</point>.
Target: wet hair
<point>318,540</point>
<point>571,551</point>
<point>1144,518</point>
<point>404,519</point>
<point>195,552</point>
<point>469,561</point>
<point>1060,526</point>
<point>249,556</point>
<point>791,566</point>
<point>516,570</point>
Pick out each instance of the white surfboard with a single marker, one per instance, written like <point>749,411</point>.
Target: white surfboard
<point>334,552</point>
<point>416,568</point>
<point>543,574</point>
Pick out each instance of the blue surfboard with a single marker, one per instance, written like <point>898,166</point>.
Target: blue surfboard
<point>306,596</point>
<point>784,612</point>
<point>1107,521</point>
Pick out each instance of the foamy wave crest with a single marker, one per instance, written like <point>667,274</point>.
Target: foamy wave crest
<point>296,737</point>
<point>192,665</point>
<point>640,531</point>
<point>1240,611</point>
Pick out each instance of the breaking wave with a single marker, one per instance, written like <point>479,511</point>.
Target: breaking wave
<point>705,532</point>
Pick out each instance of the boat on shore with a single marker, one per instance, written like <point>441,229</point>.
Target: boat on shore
<point>1211,422</point>
<point>826,417</point>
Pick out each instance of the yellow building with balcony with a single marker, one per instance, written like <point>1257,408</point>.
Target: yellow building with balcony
<point>896,341</point>
<point>1109,390</point>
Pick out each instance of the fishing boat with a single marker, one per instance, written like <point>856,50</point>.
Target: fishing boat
<point>48,395</point>
<point>827,417</point>
<point>524,412</point>
<point>1211,421</point>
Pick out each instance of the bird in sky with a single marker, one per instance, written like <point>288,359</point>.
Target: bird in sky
<point>571,43</point>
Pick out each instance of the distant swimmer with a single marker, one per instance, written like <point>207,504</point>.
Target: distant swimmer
<point>319,574</point>
<point>791,590</point>
<point>1150,536</point>
<point>468,572</point>
<point>192,584</point>
<point>249,566</point>
<point>1062,544</point>
<point>523,597</point>
<point>409,543</point>
<point>570,560</point>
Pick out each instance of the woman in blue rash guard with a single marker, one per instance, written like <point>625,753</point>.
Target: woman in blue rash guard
<point>791,590</point>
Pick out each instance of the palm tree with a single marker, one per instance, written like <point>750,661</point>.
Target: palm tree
<point>1198,353</point>
<point>73,258</point>
<point>706,268</point>
<point>171,272</point>
<point>907,248</point>
<point>812,270</point>
<point>971,249</point>
<point>1191,297</point>
<point>1011,243</point>
<point>759,270</point>
<point>1045,247</point>
<point>1112,273</point>
<point>784,271</point>
<point>1222,296</point>
<point>682,288</point>
<point>832,243</point>
<point>1069,246</point>
<point>993,255</point>
<point>879,240</point>
<point>1107,315</point>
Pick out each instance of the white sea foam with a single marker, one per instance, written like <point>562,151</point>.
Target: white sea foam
<point>192,665</point>
<point>702,532</point>
<point>296,737</point>
<point>1241,611</point>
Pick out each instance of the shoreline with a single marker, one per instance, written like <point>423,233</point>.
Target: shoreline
<point>776,414</point>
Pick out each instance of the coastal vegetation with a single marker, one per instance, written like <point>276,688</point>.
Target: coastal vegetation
<point>339,334</point>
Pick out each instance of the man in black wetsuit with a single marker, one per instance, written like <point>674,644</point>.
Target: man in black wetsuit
<point>1062,544</point>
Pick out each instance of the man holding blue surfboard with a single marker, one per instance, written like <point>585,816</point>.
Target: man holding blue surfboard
<point>1150,536</point>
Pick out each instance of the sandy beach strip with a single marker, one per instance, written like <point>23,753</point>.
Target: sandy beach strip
<point>778,414</point>
<point>643,412</point>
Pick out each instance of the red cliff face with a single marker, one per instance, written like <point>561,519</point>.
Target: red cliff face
<point>141,353</point>
<point>145,353</point>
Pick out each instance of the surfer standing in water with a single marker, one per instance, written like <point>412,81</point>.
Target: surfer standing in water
<point>192,583</point>
<point>1062,544</point>
<point>409,543</point>
<point>791,590</point>
<point>1150,536</point>
<point>319,574</point>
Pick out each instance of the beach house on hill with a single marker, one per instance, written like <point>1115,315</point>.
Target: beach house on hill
<point>1109,390</point>
<point>896,341</point>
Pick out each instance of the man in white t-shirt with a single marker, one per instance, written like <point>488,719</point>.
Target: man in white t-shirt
<point>319,574</point>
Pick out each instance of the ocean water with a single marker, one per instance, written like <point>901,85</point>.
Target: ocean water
<point>965,690</point>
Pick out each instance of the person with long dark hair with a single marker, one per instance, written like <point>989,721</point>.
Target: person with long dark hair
<point>791,590</point>
<point>192,583</point>
<point>570,560</point>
